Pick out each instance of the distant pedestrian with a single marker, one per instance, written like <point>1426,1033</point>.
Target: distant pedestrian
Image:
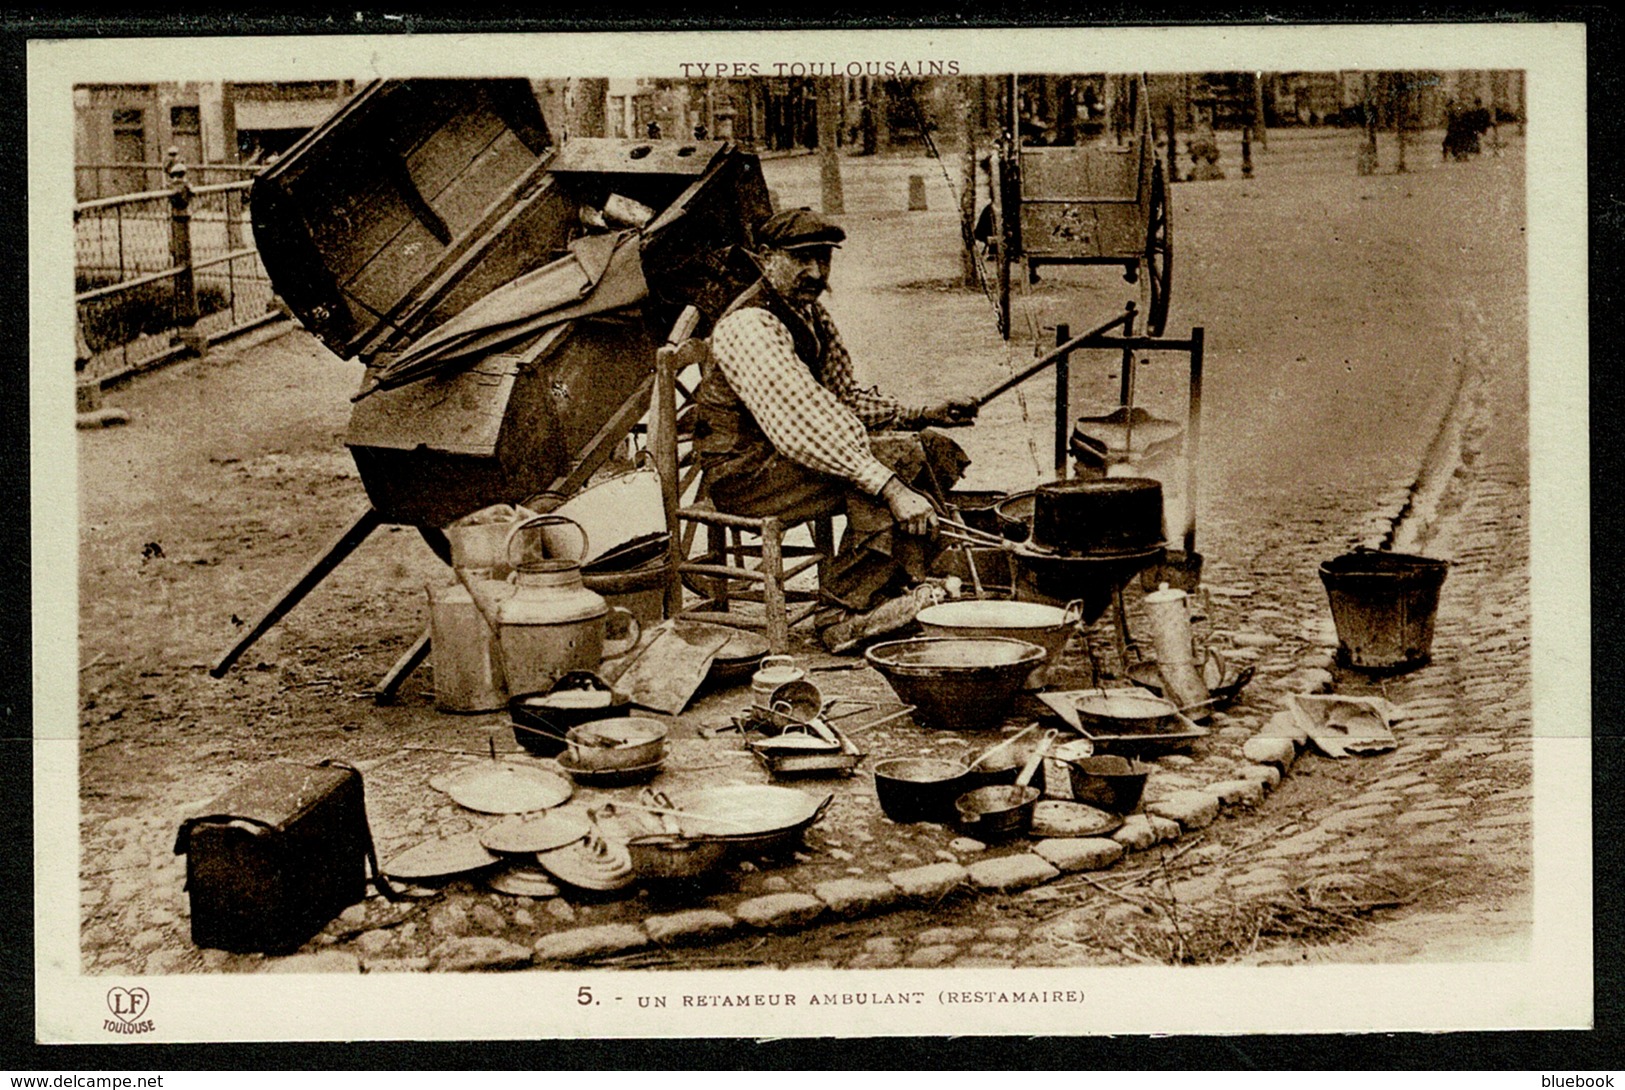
<point>1463,128</point>
<point>699,131</point>
<point>654,130</point>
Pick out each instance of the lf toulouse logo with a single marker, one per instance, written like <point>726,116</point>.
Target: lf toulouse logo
<point>127,1005</point>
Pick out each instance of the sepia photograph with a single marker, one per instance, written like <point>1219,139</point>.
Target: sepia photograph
<point>842,533</point>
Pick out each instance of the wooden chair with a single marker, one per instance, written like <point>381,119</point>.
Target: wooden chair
<point>743,573</point>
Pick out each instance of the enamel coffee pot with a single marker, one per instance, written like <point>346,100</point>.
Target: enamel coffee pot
<point>547,621</point>
<point>1168,610</point>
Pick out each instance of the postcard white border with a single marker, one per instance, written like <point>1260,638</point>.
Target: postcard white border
<point>1552,990</point>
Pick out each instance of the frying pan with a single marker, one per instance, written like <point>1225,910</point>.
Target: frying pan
<point>670,854</point>
<point>1004,811</point>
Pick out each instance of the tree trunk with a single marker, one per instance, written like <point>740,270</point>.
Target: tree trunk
<point>1260,129</point>
<point>964,94</point>
<point>829,156</point>
<point>880,114</point>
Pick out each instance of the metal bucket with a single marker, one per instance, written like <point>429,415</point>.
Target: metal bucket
<point>641,591</point>
<point>1383,605</point>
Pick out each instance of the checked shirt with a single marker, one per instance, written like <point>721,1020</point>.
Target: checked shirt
<point>823,426</point>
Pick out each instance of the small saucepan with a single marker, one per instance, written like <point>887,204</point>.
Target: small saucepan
<point>1003,811</point>
<point>1109,782</point>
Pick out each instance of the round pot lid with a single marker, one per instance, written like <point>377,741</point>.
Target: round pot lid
<point>523,881</point>
<point>498,787</point>
<point>593,864</point>
<point>1054,817</point>
<point>519,836</point>
<point>441,858</point>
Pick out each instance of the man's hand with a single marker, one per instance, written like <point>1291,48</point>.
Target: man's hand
<point>912,511</point>
<point>952,413</point>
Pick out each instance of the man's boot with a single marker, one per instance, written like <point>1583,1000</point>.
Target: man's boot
<point>845,635</point>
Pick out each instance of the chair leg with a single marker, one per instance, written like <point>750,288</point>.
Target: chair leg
<point>725,553</point>
<point>823,532</point>
<point>778,623</point>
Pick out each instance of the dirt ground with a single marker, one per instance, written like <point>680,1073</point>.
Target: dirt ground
<point>1318,288</point>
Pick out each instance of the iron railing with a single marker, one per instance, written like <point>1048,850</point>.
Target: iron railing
<point>162,273</point>
<point>94,181</point>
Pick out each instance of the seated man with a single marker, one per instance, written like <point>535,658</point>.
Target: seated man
<point>783,429</point>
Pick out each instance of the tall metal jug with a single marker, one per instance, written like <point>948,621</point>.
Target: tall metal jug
<point>547,621</point>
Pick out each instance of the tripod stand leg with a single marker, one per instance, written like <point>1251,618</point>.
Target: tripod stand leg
<point>390,683</point>
<point>345,544</point>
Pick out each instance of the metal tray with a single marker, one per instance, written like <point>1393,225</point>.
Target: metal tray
<point>787,764</point>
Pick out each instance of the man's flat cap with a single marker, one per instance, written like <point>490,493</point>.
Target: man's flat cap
<point>798,229</point>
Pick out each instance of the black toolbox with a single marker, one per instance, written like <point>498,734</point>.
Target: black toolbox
<point>276,857</point>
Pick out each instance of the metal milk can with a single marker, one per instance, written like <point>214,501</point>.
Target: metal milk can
<point>548,623</point>
<point>774,671</point>
<point>1168,610</point>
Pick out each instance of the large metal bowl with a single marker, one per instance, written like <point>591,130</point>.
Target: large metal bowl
<point>1034,622</point>
<point>956,683</point>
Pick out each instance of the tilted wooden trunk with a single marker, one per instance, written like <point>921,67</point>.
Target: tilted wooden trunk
<point>421,197</point>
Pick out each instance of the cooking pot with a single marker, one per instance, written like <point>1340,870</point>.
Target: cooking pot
<point>919,788</point>
<point>1109,782</point>
<point>670,854</point>
<point>1047,626</point>
<point>1098,518</point>
<point>1015,516</point>
<point>774,671</point>
<point>1001,812</point>
<point>978,509</point>
<point>541,720</point>
<point>623,743</point>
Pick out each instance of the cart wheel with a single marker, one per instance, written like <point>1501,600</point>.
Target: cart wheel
<point>1159,254</point>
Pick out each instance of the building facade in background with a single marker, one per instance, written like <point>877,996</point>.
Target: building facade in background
<point>124,133</point>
